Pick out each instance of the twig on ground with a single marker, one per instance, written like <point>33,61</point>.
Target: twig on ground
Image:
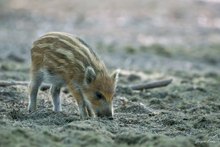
<point>150,85</point>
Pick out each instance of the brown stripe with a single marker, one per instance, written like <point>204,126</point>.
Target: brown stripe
<point>73,42</point>
<point>90,49</point>
<point>46,39</point>
<point>73,48</point>
<point>55,60</point>
<point>60,44</point>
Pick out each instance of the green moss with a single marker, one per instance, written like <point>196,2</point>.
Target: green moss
<point>156,49</point>
<point>131,49</point>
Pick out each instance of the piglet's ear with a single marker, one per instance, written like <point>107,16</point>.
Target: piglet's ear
<point>114,75</point>
<point>90,75</point>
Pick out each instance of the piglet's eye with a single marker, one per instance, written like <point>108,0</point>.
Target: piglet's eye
<point>99,95</point>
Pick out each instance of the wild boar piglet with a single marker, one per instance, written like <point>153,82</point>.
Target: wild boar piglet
<point>65,60</point>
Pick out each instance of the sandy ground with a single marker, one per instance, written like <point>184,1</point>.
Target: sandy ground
<point>147,40</point>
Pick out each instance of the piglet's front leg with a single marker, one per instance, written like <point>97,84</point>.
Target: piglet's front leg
<point>85,108</point>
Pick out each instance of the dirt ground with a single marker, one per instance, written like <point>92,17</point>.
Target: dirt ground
<point>148,40</point>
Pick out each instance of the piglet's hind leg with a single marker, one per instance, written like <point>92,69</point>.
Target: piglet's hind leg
<point>55,92</point>
<point>34,85</point>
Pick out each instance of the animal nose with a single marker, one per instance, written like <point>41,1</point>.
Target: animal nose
<point>110,118</point>
<point>106,114</point>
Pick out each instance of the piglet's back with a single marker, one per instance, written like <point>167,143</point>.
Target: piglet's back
<point>64,54</point>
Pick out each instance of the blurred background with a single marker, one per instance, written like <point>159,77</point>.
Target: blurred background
<point>141,35</point>
<point>148,40</point>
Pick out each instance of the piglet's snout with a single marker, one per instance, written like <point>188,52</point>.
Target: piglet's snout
<point>107,113</point>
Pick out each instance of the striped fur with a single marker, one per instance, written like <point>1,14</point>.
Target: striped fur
<point>65,59</point>
<point>62,49</point>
